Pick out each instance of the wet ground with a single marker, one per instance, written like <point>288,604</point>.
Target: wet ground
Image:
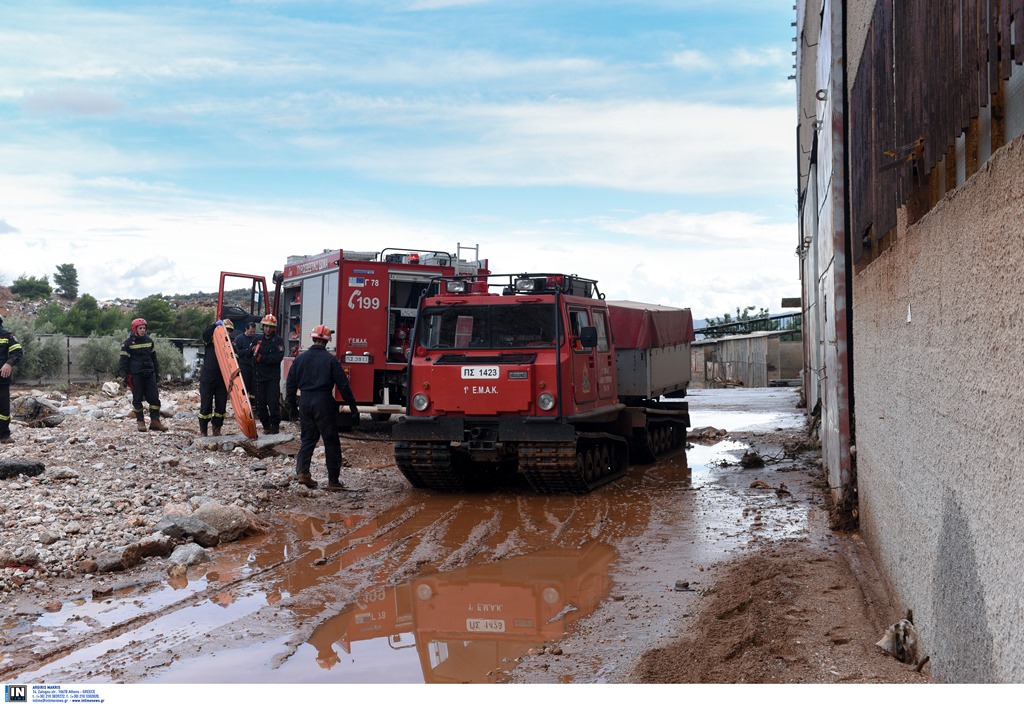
<point>412,587</point>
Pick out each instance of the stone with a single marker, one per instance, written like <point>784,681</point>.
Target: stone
<point>182,527</point>
<point>231,522</point>
<point>13,467</point>
<point>189,554</point>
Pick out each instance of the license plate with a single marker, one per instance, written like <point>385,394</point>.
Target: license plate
<point>485,625</point>
<point>357,359</point>
<point>480,373</point>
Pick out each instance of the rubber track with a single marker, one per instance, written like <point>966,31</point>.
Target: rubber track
<point>428,465</point>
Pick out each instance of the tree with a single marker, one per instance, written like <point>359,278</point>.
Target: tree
<point>50,318</point>
<point>190,322</point>
<point>31,287</point>
<point>742,316</point>
<point>83,318</point>
<point>157,313</point>
<point>113,321</point>
<point>100,356</point>
<point>66,279</point>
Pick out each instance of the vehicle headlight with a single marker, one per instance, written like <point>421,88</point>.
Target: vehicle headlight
<point>546,401</point>
<point>420,402</point>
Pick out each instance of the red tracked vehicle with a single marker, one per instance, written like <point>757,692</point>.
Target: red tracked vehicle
<point>537,374</point>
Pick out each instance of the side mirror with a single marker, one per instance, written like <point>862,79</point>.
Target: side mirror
<point>588,336</point>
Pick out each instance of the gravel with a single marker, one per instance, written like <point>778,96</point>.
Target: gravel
<point>104,485</point>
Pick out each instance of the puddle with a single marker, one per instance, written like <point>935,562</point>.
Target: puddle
<point>437,588</point>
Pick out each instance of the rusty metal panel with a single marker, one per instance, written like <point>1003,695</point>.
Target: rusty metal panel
<point>927,70</point>
<point>1017,12</point>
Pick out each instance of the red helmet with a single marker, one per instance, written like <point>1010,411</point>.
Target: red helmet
<point>136,323</point>
<point>321,332</point>
<point>269,319</point>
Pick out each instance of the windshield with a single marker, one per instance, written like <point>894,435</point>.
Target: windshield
<point>488,327</point>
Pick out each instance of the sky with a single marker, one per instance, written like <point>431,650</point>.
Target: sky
<point>648,144</point>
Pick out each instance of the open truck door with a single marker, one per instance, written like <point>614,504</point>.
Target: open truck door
<point>252,307</point>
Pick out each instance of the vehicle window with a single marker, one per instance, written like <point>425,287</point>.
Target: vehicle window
<point>578,319</point>
<point>602,334</point>
<point>489,327</point>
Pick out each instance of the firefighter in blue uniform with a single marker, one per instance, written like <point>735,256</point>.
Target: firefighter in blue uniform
<point>242,342</point>
<point>313,377</point>
<point>10,355</point>
<point>213,394</point>
<point>267,353</point>
<point>140,370</point>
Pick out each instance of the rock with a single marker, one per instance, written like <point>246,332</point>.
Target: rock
<point>48,538</point>
<point>36,412</point>
<point>111,389</point>
<point>26,556</point>
<point>119,559</point>
<point>156,545</point>
<point>232,522</point>
<point>189,554</point>
<point>13,467</point>
<point>88,566</point>
<point>64,473</point>
<point>181,527</point>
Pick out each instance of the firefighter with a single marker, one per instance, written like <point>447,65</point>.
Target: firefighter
<point>10,355</point>
<point>267,352</point>
<point>213,394</point>
<point>140,371</point>
<point>314,376</point>
<point>242,343</point>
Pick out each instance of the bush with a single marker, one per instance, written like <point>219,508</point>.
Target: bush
<point>53,356</point>
<point>28,367</point>
<point>100,356</point>
<point>172,362</point>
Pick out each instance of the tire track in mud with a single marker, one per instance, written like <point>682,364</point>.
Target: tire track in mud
<point>319,575</point>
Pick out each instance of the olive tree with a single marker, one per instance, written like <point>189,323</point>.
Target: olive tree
<point>100,356</point>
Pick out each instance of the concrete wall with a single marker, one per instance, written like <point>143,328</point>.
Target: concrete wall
<point>938,325</point>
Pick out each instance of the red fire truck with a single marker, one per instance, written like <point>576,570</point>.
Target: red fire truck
<point>368,298</point>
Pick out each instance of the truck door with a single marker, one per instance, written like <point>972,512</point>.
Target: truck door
<point>582,360</point>
<point>604,357</point>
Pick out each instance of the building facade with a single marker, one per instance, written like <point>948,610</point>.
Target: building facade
<point>911,203</point>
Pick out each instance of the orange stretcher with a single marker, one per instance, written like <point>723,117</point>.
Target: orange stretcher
<point>239,395</point>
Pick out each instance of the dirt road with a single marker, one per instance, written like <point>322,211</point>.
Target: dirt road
<point>701,568</point>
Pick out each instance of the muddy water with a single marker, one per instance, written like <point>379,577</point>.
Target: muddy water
<point>434,588</point>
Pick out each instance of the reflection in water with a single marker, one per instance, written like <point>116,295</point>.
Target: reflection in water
<point>471,622</point>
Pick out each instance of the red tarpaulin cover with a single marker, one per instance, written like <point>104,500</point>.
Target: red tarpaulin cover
<point>646,325</point>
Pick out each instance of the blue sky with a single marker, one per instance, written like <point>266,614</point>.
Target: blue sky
<point>646,143</point>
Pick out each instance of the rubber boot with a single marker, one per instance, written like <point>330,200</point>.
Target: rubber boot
<point>203,431</point>
<point>154,421</point>
<point>216,431</point>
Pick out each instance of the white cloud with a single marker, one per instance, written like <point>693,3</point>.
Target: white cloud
<point>74,101</point>
<point>691,59</point>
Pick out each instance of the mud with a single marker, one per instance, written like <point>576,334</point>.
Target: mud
<point>395,585</point>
